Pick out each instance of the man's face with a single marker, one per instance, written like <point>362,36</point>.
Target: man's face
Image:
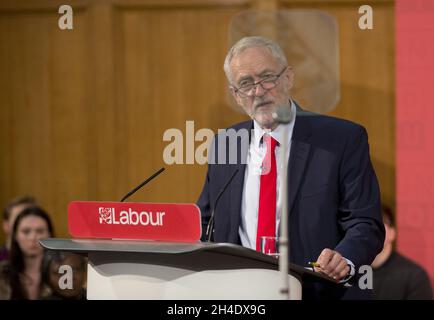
<point>253,65</point>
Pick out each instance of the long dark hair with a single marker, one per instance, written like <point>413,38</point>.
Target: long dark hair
<point>16,258</point>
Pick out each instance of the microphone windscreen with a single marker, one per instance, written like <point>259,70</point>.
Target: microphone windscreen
<point>283,114</point>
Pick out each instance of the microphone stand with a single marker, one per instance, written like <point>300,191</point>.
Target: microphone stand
<point>141,185</point>
<point>210,227</point>
<point>283,116</point>
<point>283,239</point>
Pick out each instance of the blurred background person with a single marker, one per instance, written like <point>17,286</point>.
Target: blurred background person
<point>396,277</point>
<point>21,275</point>
<point>10,213</point>
<point>51,275</point>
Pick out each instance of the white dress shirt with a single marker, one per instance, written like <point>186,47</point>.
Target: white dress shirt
<point>255,156</point>
<point>250,199</point>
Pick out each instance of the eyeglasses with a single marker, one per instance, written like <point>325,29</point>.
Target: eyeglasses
<point>247,89</point>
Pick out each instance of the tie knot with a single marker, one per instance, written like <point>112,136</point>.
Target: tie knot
<point>270,142</point>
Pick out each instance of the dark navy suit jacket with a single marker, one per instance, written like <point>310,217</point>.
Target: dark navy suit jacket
<point>334,197</point>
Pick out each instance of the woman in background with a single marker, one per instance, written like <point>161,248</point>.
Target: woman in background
<point>21,275</point>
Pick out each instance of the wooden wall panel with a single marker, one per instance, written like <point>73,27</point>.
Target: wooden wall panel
<point>170,71</point>
<point>367,73</point>
<point>83,112</point>
<point>43,106</point>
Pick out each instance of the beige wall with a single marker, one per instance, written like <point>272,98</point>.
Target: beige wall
<point>82,112</point>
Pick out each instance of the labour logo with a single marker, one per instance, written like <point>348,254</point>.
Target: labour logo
<point>105,215</point>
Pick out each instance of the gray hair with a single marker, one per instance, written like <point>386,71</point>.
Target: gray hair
<point>251,42</point>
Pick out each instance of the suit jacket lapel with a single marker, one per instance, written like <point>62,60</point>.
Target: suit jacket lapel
<point>299,155</point>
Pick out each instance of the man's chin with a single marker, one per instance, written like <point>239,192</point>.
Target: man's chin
<point>266,122</point>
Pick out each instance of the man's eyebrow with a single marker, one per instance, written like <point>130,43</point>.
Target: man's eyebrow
<point>246,77</point>
<point>249,77</point>
<point>266,71</point>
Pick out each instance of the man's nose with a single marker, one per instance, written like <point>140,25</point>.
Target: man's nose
<point>258,90</point>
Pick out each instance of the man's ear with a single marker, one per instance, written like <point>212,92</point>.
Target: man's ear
<point>390,234</point>
<point>235,95</point>
<point>393,234</point>
<point>289,74</point>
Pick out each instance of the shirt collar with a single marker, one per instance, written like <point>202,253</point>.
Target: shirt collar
<point>278,132</point>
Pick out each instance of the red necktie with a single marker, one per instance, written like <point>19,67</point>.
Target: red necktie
<point>267,194</point>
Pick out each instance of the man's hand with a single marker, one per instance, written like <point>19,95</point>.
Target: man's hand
<point>332,264</point>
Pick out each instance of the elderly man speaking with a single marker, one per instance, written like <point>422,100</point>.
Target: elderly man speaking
<point>333,193</point>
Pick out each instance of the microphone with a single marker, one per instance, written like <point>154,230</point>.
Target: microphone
<point>142,184</point>
<point>283,114</point>
<point>210,226</point>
